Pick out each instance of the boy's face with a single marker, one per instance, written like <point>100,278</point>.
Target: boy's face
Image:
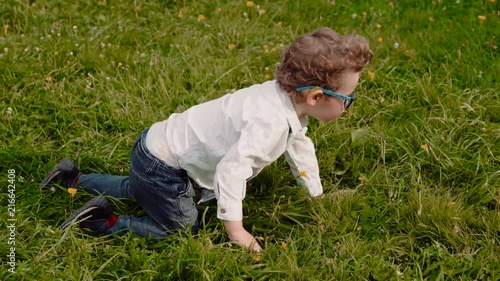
<point>328,108</point>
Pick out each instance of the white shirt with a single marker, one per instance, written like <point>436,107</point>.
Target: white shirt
<point>224,142</point>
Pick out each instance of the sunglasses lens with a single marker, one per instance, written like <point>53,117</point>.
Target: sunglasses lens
<point>347,103</point>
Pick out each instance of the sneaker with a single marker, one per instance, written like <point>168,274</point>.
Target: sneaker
<point>65,173</point>
<point>96,215</point>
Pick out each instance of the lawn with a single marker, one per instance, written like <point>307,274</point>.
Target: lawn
<point>411,173</point>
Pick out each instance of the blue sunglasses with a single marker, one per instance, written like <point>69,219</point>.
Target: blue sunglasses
<point>348,100</point>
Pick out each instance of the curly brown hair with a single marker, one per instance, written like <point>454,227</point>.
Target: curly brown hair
<point>319,58</point>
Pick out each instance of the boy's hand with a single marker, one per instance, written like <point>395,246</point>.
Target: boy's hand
<point>238,234</point>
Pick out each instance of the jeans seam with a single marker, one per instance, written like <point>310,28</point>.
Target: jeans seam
<point>150,169</point>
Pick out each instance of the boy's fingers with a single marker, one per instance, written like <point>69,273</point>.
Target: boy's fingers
<point>255,246</point>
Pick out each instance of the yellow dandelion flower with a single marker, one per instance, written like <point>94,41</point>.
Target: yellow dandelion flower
<point>218,10</point>
<point>257,258</point>
<point>481,17</point>
<point>268,76</point>
<point>362,179</point>
<point>379,26</point>
<point>494,47</point>
<point>231,46</point>
<point>279,23</point>
<point>249,3</point>
<point>48,78</point>
<point>56,53</point>
<point>262,11</point>
<point>284,245</point>
<point>201,17</point>
<point>72,191</point>
<point>431,19</point>
<point>303,174</point>
<point>492,1</point>
<point>380,39</point>
<point>391,4</point>
<point>266,49</point>
<point>371,75</point>
<point>425,147</point>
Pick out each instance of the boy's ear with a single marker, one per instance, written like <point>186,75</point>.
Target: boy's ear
<point>313,96</point>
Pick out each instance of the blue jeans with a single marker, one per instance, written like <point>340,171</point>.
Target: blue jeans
<point>165,193</point>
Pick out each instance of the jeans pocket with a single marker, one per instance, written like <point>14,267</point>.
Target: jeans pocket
<point>187,205</point>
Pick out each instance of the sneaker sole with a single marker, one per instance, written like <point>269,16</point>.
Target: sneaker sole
<point>97,202</point>
<point>47,181</point>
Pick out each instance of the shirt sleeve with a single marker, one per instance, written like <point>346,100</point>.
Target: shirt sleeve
<point>301,156</point>
<point>261,143</point>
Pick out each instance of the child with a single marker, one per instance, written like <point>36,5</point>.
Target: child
<point>213,148</point>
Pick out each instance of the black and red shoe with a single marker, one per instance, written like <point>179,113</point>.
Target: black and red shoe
<point>95,215</point>
<point>64,173</point>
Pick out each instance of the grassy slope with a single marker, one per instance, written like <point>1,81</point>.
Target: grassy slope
<point>83,79</point>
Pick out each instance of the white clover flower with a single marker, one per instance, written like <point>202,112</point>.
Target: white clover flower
<point>9,111</point>
<point>37,49</point>
<point>5,50</point>
<point>75,27</point>
<point>396,45</point>
<point>354,16</point>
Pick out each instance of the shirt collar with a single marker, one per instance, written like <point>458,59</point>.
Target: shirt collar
<point>296,124</point>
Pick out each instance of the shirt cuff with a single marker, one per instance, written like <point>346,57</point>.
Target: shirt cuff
<point>229,210</point>
<point>313,186</point>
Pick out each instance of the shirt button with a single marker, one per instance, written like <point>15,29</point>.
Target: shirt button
<point>222,211</point>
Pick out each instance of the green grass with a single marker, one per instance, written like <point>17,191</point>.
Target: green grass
<point>84,78</point>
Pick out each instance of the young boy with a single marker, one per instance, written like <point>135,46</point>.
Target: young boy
<point>219,145</point>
